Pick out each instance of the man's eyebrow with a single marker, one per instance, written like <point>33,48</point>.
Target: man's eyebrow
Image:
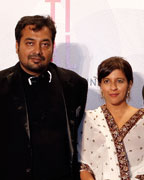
<point>46,40</point>
<point>29,39</point>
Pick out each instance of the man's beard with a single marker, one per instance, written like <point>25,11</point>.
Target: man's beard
<point>39,69</point>
<point>42,58</point>
<point>36,67</point>
<point>40,66</point>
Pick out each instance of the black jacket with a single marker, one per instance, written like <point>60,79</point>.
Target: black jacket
<point>15,133</point>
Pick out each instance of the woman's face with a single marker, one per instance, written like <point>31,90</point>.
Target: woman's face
<point>114,87</point>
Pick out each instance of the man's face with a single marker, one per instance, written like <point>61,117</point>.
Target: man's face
<point>35,49</point>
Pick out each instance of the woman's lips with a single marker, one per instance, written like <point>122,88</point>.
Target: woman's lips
<point>114,94</point>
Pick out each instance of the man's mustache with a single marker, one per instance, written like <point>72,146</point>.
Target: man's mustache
<point>36,56</point>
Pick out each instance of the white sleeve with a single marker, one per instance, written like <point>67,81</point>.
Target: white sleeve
<point>86,140</point>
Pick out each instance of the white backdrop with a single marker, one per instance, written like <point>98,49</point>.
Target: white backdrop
<point>88,31</point>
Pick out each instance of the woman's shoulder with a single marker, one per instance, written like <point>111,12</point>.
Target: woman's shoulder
<point>93,114</point>
<point>93,111</point>
<point>135,110</point>
<point>141,111</point>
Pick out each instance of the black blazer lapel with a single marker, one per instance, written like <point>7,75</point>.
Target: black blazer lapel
<point>17,97</point>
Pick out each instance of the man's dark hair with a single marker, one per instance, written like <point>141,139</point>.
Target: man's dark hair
<point>38,21</point>
<point>113,63</point>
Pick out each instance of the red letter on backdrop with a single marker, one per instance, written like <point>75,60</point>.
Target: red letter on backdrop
<point>53,7</point>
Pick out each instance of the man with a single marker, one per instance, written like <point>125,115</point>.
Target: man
<point>41,107</point>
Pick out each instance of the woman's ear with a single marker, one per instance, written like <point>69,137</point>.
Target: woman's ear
<point>130,85</point>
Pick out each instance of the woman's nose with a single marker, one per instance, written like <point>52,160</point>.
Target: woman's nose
<point>113,86</point>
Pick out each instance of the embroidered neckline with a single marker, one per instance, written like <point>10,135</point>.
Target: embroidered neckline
<point>118,135</point>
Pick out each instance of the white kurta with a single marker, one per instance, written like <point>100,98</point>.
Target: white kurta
<point>112,154</point>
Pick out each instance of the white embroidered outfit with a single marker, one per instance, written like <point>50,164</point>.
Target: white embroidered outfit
<point>112,153</point>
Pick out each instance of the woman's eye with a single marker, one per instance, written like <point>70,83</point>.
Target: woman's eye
<point>120,80</point>
<point>106,81</point>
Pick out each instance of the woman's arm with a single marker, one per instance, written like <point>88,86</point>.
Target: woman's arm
<point>86,172</point>
<point>85,175</point>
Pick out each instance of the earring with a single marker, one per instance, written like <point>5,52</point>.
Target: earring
<point>128,95</point>
<point>102,96</point>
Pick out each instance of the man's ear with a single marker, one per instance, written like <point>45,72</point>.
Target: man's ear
<point>17,47</point>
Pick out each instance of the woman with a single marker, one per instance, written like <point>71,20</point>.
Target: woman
<point>111,137</point>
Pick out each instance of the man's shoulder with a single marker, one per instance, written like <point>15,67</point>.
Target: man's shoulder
<point>6,72</point>
<point>68,75</point>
